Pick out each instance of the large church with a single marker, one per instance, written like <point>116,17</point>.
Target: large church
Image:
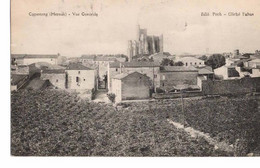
<point>144,44</point>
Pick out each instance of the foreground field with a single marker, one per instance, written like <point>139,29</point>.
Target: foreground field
<point>234,120</point>
<point>51,122</point>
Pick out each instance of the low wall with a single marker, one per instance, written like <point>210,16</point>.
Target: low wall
<point>176,95</point>
<point>234,86</point>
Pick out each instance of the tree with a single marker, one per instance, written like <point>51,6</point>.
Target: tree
<point>203,57</point>
<point>179,63</point>
<point>215,61</point>
<point>167,62</point>
<point>111,97</point>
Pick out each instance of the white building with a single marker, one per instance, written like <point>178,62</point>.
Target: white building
<point>255,72</point>
<point>226,72</point>
<point>253,63</point>
<point>27,59</point>
<point>81,77</point>
<point>190,61</point>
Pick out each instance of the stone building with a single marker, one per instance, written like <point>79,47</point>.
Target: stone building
<point>151,69</point>
<point>144,44</point>
<point>190,61</point>
<point>131,86</point>
<point>80,77</point>
<point>57,77</point>
<point>226,72</point>
<point>172,76</point>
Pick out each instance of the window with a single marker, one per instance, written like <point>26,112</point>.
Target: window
<point>155,76</point>
<point>162,84</point>
<point>163,77</point>
<point>200,63</point>
<point>186,64</point>
<point>57,80</point>
<point>84,79</point>
<point>190,63</point>
<point>77,79</point>
<point>79,72</point>
<point>195,63</point>
<point>116,69</point>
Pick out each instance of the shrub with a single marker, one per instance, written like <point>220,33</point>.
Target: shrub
<point>159,90</point>
<point>111,97</point>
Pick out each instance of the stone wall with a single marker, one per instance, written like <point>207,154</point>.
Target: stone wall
<point>235,86</point>
<point>176,95</point>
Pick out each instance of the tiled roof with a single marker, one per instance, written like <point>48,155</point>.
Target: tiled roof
<point>53,71</point>
<point>88,57</point>
<point>134,64</point>
<point>33,56</point>
<point>105,59</point>
<point>16,78</point>
<point>17,55</point>
<point>120,76</point>
<point>77,66</point>
<point>185,59</point>
<point>205,71</point>
<point>255,60</point>
<point>123,75</point>
<point>178,69</point>
<point>232,72</point>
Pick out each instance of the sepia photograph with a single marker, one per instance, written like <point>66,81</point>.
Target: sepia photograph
<point>121,78</point>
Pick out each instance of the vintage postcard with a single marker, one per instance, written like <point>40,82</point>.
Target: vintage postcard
<point>135,78</point>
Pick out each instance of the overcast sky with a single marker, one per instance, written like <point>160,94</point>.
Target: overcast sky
<point>117,21</point>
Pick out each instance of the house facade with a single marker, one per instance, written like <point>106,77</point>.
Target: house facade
<point>172,76</point>
<point>131,86</point>
<point>151,69</point>
<point>255,72</point>
<point>190,61</point>
<point>80,77</point>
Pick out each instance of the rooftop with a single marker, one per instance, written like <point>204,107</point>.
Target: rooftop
<point>33,56</point>
<point>205,70</point>
<point>134,64</point>
<point>178,69</point>
<point>77,66</point>
<point>16,78</point>
<point>232,72</point>
<point>88,56</point>
<point>123,75</point>
<point>255,60</point>
<point>189,59</point>
<point>53,71</point>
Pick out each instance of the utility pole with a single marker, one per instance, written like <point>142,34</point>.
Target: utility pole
<point>182,107</point>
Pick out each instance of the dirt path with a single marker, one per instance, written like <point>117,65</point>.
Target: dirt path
<point>101,96</point>
<point>195,133</point>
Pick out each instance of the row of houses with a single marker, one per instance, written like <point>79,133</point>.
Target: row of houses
<point>137,80</point>
<point>74,76</point>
